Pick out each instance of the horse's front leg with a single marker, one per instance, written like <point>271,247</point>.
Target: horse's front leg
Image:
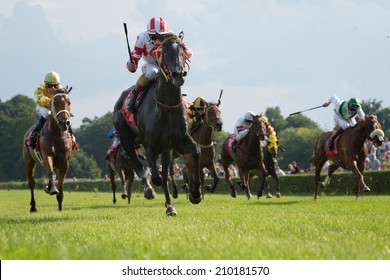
<point>165,161</point>
<point>61,182</point>
<point>358,179</point>
<point>152,162</point>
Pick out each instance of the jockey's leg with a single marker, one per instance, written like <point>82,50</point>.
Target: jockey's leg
<point>74,144</point>
<point>337,133</point>
<point>142,83</point>
<point>33,136</point>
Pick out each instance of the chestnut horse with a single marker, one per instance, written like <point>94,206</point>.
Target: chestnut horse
<point>161,123</point>
<point>204,137</point>
<point>351,152</point>
<point>55,148</point>
<point>249,158</point>
<point>121,165</point>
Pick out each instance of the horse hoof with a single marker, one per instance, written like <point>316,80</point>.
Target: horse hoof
<point>269,195</point>
<point>175,194</point>
<point>366,189</point>
<point>33,210</point>
<point>157,181</point>
<point>47,190</point>
<point>171,211</point>
<point>195,200</point>
<point>124,196</point>
<point>233,194</point>
<point>150,194</point>
<point>54,191</point>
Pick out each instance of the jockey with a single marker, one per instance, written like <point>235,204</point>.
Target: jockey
<point>148,46</point>
<point>345,113</point>
<point>242,127</point>
<point>43,96</point>
<point>271,134</point>
<point>115,143</point>
<point>196,111</point>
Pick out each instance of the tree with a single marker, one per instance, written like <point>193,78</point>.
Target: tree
<point>299,145</point>
<point>93,140</point>
<point>16,116</point>
<point>83,166</point>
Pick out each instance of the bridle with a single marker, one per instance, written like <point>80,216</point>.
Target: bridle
<point>161,62</point>
<point>53,110</point>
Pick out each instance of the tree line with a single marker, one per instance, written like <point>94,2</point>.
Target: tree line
<point>296,135</point>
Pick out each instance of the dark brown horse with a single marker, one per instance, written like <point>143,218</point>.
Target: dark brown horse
<point>249,158</point>
<point>204,137</point>
<point>161,123</point>
<point>351,152</point>
<point>121,165</point>
<point>55,148</point>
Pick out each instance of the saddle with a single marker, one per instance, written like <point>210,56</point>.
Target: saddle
<point>228,144</point>
<point>333,152</point>
<point>129,116</point>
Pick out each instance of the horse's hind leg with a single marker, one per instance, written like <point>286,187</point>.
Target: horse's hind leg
<point>30,169</point>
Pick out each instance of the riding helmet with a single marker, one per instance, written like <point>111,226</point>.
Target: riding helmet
<point>249,116</point>
<point>52,78</point>
<point>200,102</point>
<point>353,104</point>
<point>157,25</point>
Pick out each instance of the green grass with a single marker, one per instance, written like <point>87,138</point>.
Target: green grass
<point>90,227</point>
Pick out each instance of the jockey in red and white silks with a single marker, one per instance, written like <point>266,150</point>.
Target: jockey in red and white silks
<point>242,125</point>
<point>148,47</point>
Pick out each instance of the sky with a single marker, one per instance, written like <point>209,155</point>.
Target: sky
<point>262,53</point>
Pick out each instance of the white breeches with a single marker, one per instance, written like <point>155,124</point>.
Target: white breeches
<point>116,142</point>
<point>344,124</point>
<point>42,111</point>
<point>150,70</point>
<point>240,135</point>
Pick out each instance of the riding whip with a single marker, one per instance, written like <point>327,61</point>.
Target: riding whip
<point>127,40</point>
<point>296,113</point>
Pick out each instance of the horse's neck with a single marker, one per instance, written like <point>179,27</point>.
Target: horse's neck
<point>204,135</point>
<point>253,144</point>
<point>52,128</point>
<point>167,93</point>
<point>357,135</point>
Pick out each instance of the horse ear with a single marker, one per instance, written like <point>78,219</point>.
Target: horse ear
<point>68,90</point>
<point>181,35</point>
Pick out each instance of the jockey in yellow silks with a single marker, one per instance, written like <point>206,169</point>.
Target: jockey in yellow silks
<point>272,138</point>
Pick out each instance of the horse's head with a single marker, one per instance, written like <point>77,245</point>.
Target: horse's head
<point>373,130</point>
<point>173,59</point>
<point>257,127</point>
<point>213,117</point>
<point>60,108</point>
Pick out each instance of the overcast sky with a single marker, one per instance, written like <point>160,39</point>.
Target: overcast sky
<point>291,54</point>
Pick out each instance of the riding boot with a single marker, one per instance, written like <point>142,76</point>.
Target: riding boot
<point>142,83</point>
<point>33,136</point>
<point>234,144</point>
<point>74,144</point>
<point>334,136</point>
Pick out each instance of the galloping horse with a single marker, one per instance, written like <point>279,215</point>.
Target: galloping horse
<point>249,158</point>
<point>204,137</point>
<point>351,152</point>
<point>121,165</point>
<point>55,148</point>
<point>161,123</point>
